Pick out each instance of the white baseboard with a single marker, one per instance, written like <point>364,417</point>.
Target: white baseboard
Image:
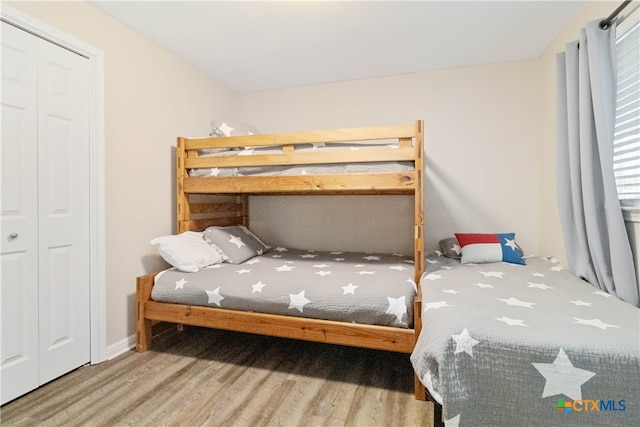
<point>122,346</point>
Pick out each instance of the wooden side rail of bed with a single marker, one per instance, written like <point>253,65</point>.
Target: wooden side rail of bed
<point>330,332</point>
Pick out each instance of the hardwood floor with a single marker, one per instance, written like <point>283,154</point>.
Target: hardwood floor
<point>207,377</point>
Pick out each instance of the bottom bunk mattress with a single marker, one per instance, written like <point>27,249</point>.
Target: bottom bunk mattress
<point>367,288</point>
<point>527,345</point>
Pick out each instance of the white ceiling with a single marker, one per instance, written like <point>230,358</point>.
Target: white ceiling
<point>260,45</point>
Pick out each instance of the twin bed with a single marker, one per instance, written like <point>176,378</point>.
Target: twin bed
<point>505,344</point>
<point>491,344</point>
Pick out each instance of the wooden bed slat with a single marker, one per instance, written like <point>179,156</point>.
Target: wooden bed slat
<point>368,336</point>
<point>309,183</point>
<point>304,158</point>
<point>305,137</point>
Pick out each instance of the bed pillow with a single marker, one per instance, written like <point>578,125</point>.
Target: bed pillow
<point>235,244</point>
<point>450,248</point>
<point>187,251</point>
<point>227,129</point>
<point>478,248</point>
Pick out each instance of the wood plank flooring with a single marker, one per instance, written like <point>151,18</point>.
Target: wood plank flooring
<point>205,377</point>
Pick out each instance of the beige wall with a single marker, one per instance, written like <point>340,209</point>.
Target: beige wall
<point>482,146</point>
<point>490,146</point>
<point>551,239</point>
<point>150,98</point>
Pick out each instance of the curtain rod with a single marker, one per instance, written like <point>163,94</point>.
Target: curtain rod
<point>606,23</point>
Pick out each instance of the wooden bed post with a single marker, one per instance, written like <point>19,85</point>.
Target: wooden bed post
<point>419,203</point>
<point>419,389</point>
<point>144,284</point>
<point>183,213</point>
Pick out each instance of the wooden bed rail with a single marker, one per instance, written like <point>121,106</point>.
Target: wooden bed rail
<point>400,132</point>
<point>331,332</point>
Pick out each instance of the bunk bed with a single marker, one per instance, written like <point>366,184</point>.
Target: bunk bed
<point>214,186</point>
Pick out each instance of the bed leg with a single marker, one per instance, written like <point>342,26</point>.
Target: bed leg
<point>143,326</point>
<point>419,390</point>
<point>180,327</point>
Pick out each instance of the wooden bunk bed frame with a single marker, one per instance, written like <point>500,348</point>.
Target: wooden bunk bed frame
<point>224,201</point>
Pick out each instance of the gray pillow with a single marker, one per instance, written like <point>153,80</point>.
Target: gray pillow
<point>450,248</point>
<point>235,244</point>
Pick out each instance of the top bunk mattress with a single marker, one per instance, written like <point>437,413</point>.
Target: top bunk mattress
<point>307,169</point>
<point>367,288</point>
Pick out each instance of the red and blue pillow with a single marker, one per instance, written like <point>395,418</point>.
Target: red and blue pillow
<point>478,248</point>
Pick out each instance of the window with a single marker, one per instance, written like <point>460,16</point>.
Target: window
<point>626,140</point>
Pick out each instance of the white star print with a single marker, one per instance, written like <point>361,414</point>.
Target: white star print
<point>537,274</point>
<point>539,286</point>
<point>281,249</point>
<point>253,261</point>
<point>362,273</point>
<point>214,296</point>
<point>214,172</point>
<point>556,268</point>
<point>464,342</point>
<point>320,266</point>
<point>308,256</point>
<point>450,291</point>
<point>236,241</point>
<point>243,271</point>
<point>397,267</point>
<point>258,287</point>
<point>511,243</point>
<point>180,283</point>
<point>349,289</point>
<point>358,265</point>
<point>578,303</point>
<point>432,261</point>
<point>338,259</point>
<point>225,129</point>
<point>336,252</point>
<point>433,276</point>
<point>248,151</point>
<point>602,294</point>
<point>298,301</point>
<point>216,266</point>
<point>517,302</point>
<point>511,322</point>
<point>397,307</point>
<point>483,285</point>
<point>561,377</point>
<point>371,258</point>
<point>284,268</point>
<point>594,322</point>
<point>492,274</point>
<point>323,273</point>
<point>435,305</point>
<point>453,422</point>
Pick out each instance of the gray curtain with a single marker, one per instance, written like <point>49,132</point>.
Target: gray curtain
<point>596,240</point>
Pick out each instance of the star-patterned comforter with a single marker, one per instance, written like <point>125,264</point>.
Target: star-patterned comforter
<point>369,288</point>
<point>511,345</point>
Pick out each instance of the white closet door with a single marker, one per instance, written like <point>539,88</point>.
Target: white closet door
<point>19,215</point>
<point>63,188</point>
<point>45,204</point>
